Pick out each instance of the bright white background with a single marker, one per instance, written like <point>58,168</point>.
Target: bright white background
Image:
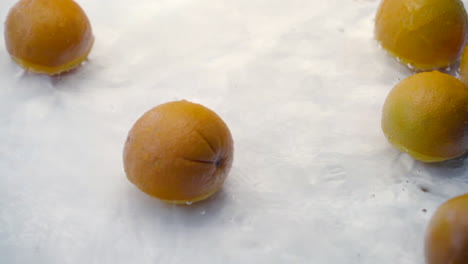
<point>301,85</point>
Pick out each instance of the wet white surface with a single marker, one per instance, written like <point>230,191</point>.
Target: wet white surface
<point>300,83</point>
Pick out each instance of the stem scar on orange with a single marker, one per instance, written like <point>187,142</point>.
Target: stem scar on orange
<point>48,36</point>
<point>179,152</point>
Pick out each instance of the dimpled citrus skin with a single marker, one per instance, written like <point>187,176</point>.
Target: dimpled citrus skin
<point>179,152</point>
<point>48,36</point>
<point>427,34</point>
<point>426,116</point>
<point>447,234</point>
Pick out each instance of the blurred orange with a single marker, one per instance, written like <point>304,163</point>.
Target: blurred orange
<point>447,234</point>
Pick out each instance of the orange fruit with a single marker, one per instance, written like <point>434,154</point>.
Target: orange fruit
<point>426,116</point>
<point>179,152</point>
<point>464,67</point>
<point>48,36</point>
<point>426,34</point>
<point>447,234</point>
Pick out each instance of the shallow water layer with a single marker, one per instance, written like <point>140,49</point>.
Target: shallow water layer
<point>301,85</point>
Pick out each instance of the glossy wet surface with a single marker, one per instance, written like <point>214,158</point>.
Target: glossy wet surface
<point>301,85</point>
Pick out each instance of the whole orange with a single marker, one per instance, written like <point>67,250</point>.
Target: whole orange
<point>426,116</point>
<point>447,234</point>
<point>48,36</point>
<point>426,34</point>
<point>179,152</point>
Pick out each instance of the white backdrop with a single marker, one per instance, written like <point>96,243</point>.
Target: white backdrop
<point>300,83</point>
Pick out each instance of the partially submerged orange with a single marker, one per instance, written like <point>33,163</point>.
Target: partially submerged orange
<point>447,234</point>
<point>179,152</point>
<point>426,116</point>
<point>425,34</point>
<point>48,36</point>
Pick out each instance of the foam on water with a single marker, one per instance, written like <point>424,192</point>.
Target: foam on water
<point>313,181</point>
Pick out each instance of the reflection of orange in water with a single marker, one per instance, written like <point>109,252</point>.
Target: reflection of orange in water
<point>48,36</point>
<point>179,152</point>
<point>447,234</point>
<point>426,116</point>
<point>427,34</point>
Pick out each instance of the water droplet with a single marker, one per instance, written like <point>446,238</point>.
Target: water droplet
<point>203,212</point>
<point>189,203</point>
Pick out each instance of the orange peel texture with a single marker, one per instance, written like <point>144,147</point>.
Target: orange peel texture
<point>426,116</point>
<point>424,34</point>
<point>48,36</point>
<point>447,234</point>
<point>179,152</point>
